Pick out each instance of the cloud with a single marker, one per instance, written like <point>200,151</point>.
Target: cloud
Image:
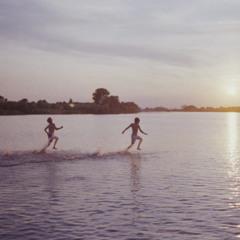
<point>34,24</point>
<point>145,39</point>
<point>152,30</point>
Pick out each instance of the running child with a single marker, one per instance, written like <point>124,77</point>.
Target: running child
<point>49,129</point>
<point>135,127</point>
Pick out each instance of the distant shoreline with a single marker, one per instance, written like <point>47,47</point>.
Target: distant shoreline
<point>192,108</point>
<point>110,105</point>
<point>19,113</point>
<point>104,103</point>
<point>24,107</point>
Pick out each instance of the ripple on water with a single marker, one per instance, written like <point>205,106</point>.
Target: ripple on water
<point>186,188</point>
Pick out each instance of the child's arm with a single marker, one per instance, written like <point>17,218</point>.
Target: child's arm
<point>58,128</point>
<point>142,130</point>
<point>45,129</point>
<point>126,128</point>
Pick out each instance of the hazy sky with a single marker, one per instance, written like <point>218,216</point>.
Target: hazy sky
<point>153,52</point>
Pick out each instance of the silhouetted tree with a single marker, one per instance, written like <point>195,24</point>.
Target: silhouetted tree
<point>99,95</point>
<point>42,104</point>
<point>190,108</point>
<point>2,99</point>
<point>130,107</point>
<point>104,104</point>
<point>112,100</point>
<point>23,105</point>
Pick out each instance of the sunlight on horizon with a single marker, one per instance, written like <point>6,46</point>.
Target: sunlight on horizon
<point>232,90</point>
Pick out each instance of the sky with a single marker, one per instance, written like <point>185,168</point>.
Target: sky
<point>152,52</point>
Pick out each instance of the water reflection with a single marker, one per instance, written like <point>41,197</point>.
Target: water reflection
<point>135,185</point>
<point>135,172</point>
<point>233,157</point>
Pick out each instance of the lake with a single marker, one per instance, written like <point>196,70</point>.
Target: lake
<point>183,184</point>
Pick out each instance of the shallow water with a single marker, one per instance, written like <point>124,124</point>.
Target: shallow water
<point>184,184</point>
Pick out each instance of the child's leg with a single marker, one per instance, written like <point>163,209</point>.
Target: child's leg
<point>56,140</point>
<point>133,139</point>
<point>140,141</point>
<point>130,146</point>
<point>44,149</point>
<point>49,142</point>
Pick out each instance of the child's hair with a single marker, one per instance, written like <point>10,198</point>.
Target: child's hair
<point>137,120</point>
<point>49,120</point>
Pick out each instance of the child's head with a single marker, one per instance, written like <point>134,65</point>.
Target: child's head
<point>137,120</point>
<point>49,120</point>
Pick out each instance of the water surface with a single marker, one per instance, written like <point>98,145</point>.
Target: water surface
<point>184,184</point>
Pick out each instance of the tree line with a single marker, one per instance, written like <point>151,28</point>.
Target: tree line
<point>192,108</point>
<point>103,103</point>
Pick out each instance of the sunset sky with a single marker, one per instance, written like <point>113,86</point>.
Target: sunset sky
<point>153,52</point>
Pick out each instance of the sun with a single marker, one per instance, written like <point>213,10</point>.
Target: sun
<point>232,90</point>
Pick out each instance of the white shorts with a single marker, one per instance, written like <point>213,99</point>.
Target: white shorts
<point>134,138</point>
<point>51,137</point>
